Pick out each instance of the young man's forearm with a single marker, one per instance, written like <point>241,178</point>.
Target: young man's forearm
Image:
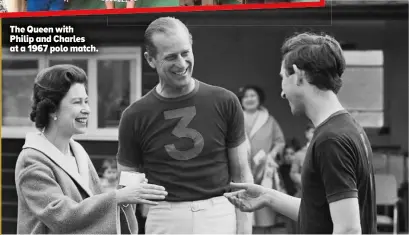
<point>283,203</point>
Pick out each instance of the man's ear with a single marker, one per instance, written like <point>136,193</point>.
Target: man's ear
<point>150,60</point>
<point>300,75</point>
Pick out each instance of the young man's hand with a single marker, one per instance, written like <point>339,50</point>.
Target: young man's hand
<point>249,198</point>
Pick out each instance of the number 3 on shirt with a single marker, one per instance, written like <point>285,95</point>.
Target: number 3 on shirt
<point>181,130</point>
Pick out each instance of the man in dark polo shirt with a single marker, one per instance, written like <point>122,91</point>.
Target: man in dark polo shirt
<point>338,192</point>
<point>188,137</point>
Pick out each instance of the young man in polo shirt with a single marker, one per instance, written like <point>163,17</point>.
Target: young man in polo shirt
<point>338,192</point>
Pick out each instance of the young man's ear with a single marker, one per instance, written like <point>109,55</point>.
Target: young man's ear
<point>300,74</point>
<point>150,60</point>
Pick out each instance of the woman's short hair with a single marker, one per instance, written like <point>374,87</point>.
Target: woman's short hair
<point>260,93</point>
<point>50,87</point>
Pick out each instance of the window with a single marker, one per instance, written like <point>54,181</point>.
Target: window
<point>114,82</point>
<point>113,91</point>
<point>362,93</point>
<point>17,89</point>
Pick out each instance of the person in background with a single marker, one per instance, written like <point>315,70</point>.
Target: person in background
<point>286,162</point>
<point>58,188</point>
<point>110,4</point>
<point>298,160</point>
<point>109,175</point>
<point>266,143</point>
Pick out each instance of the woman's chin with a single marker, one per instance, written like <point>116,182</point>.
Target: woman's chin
<point>80,131</point>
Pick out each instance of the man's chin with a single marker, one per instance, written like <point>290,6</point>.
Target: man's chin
<point>296,112</point>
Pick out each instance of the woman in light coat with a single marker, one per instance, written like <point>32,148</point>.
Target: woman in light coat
<point>266,141</point>
<point>57,186</point>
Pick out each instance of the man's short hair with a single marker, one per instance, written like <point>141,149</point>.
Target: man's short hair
<point>162,25</point>
<point>320,56</point>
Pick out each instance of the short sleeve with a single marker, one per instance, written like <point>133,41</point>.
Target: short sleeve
<point>235,134</point>
<point>129,151</point>
<point>337,168</point>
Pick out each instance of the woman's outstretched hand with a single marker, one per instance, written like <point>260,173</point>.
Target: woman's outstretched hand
<point>141,194</point>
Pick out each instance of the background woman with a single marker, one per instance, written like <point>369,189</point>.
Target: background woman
<point>266,141</point>
<point>57,186</point>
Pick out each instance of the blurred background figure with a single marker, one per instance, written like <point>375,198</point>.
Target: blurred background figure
<point>266,142</point>
<point>298,160</point>
<point>292,146</point>
<point>109,175</point>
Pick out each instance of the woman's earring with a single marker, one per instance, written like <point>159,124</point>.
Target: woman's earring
<point>55,118</point>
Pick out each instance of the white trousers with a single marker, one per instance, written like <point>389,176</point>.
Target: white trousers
<point>212,216</point>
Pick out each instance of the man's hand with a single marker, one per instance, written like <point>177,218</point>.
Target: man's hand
<point>249,198</point>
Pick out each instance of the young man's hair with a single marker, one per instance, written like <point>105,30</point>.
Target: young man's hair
<point>162,25</point>
<point>320,56</point>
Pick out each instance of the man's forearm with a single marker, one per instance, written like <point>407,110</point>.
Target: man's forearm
<point>284,204</point>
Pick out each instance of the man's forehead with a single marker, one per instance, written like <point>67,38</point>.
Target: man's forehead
<point>171,32</point>
<point>171,42</point>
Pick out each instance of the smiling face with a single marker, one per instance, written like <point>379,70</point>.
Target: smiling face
<point>250,100</point>
<point>73,112</point>
<point>174,59</point>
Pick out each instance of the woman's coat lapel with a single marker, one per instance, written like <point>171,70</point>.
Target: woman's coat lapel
<point>38,142</point>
